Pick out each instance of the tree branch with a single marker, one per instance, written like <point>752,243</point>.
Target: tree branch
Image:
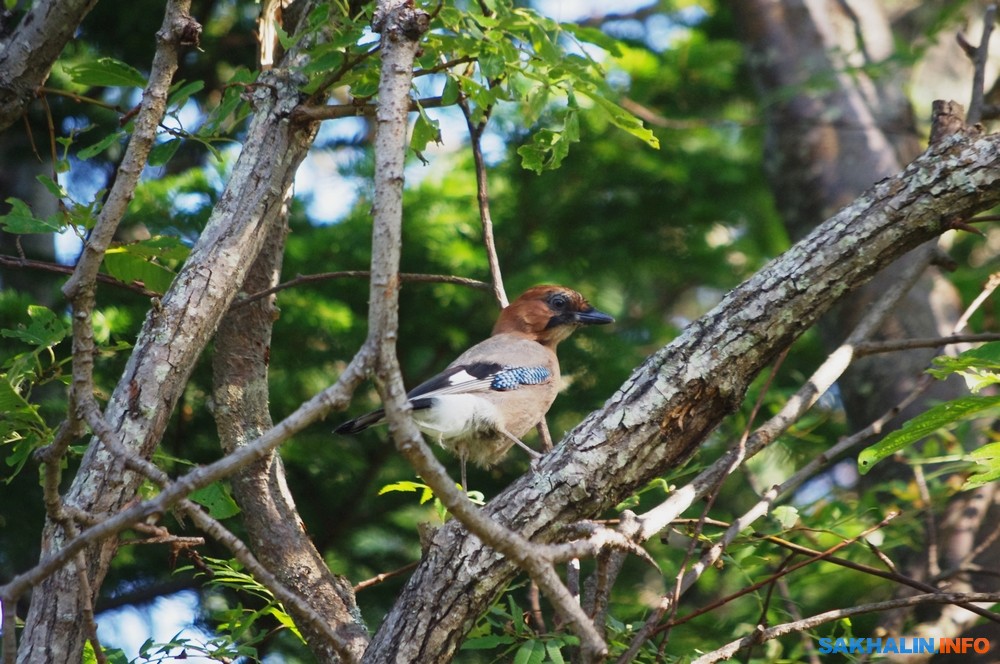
<point>27,56</point>
<point>761,635</point>
<point>671,402</point>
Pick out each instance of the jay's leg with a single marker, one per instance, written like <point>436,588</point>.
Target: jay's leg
<point>517,441</point>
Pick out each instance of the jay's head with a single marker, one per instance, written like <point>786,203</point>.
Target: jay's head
<point>549,314</point>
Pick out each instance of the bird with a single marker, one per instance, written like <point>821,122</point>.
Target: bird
<point>499,389</point>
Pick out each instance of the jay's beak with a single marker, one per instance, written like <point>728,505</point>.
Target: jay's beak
<point>593,317</point>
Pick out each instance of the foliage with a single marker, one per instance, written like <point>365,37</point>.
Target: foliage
<point>578,195</point>
<point>979,367</point>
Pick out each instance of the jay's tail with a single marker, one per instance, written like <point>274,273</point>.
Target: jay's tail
<point>361,423</point>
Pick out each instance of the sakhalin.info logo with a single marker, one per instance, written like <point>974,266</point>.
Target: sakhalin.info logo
<point>903,646</point>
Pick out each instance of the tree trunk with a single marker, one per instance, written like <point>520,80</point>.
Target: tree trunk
<point>274,528</point>
<point>172,338</point>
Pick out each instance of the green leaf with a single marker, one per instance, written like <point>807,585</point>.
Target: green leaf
<point>980,367</point>
<point>988,459</point>
<point>106,72</point>
<point>180,92</point>
<point>163,152</point>
<point>554,649</point>
<point>449,95</point>
<point>132,267</point>
<point>425,130</point>
<point>45,330</point>
<point>986,356</point>
<point>626,121</point>
<point>403,485</point>
<point>54,187</point>
<point>786,515</point>
<point>595,37</point>
<point>530,652</point>
<point>216,499</point>
<point>20,220</point>
<point>940,416</point>
<point>100,146</point>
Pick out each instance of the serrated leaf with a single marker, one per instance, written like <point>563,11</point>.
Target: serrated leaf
<point>14,406</point>
<point>938,417</point>
<point>402,485</point>
<point>54,187</point>
<point>425,130</point>
<point>786,515</point>
<point>626,121</point>
<point>106,72</point>
<point>45,330</point>
<point>988,459</point>
<point>20,220</point>
<point>980,367</point>
<point>986,356</point>
<point>216,499</point>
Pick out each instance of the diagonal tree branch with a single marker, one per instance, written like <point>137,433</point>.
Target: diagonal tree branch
<point>671,402</point>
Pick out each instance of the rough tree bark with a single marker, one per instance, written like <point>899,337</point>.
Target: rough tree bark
<point>672,401</point>
<point>274,528</point>
<point>172,337</point>
<point>28,53</point>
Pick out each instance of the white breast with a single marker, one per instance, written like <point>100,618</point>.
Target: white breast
<point>457,415</point>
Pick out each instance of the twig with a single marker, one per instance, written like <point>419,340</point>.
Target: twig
<point>483,196</point>
<point>384,576</point>
<point>365,274</point>
<point>318,113</point>
<point>733,647</point>
<point>27,263</point>
<point>874,347</point>
<point>337,395</point>
<point>207,524</point>
<point>820,555</point>
<point>400,25</point>
<point>979,58</point>
<point>657,518</point>
<point>991,285</point>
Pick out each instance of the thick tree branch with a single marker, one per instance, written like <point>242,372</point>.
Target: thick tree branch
<point>27,55</point>
<point>274,527</point>
<point>682,392</point>
<point>170,342</point>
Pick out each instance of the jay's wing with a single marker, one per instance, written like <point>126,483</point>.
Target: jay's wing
<point>461,379</point>
<point>479,377</point>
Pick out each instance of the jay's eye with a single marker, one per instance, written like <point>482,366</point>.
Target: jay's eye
<point>558,301</point>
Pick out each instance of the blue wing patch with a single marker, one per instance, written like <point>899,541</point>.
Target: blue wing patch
<point>511,378</point>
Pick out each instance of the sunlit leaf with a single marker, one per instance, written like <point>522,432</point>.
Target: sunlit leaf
<point>106,72</point>
<point>923,425</point>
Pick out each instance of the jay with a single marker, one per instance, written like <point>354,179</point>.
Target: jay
<point>498,390</point>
